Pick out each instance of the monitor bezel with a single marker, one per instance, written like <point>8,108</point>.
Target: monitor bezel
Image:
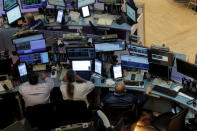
<point>11,9</point>
<point>137,46</point>
<point>134,8</point>
<point>111,50</point>
<point>57,5</point>
<point>121,72</point>
<point>85,5</point>
<point>80,47</point>
<point>169,71</point>
<point>101,67</point>
<point>25,66</point>
<point>81,12</point>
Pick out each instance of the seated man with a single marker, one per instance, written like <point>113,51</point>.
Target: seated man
<point>30,22</point>
<point>34,92</point>
<point>121,97</point>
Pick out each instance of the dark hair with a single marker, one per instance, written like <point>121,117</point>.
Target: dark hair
<point>33,78</point>
<point>70,75</point>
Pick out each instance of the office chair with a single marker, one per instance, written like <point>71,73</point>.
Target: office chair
<point>170,122</point>
<point>71,112</point>
<point>115,112</point>
<point>41,116</point>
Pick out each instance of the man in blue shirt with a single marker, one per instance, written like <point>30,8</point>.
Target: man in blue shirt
<point>121,97</point>
<point>32,23</point>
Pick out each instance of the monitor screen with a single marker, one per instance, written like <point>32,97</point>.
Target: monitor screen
<point>80,53</point>
<point>177,76</point>
<point>85,11</point>
<point>56,2</point>
<point>131,12</point>
<point>135,62</point>
<point>31,3</point>
<point>83,65</point>
<point>27,39</point>
<point>60,16</point>
<point>5,66</point>
<point>7,4</point>
<point>186,68</point>
<point>110,46</point>
<point>160,57</point>
<point>81,3</point>
<point>36,58</point>
<point>13,14</point>
<point>117,71</point>
<point>138,50</point>
<point>159,71</point>
<point>110,1</point>
<point>98,67</point>
<point>22,69</point>
<point>31,47</point>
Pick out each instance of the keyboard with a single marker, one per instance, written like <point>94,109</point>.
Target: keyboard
<point>134,84</point>
<point>162,83</point>
<point>165,91</point>
<point>189,93</point>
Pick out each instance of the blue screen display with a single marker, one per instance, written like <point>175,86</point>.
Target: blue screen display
<point>135,62</point>
<point>110,46</point>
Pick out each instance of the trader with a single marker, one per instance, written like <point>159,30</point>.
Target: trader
<point>121,97</point>
<point>72,90</point>
<point>34,92</point>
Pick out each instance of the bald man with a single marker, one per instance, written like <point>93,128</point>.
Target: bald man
<point>121,97</point>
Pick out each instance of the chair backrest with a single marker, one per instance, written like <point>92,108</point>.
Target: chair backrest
<point>177,121</point>
<point>115,111</point>
<point>70,112</point>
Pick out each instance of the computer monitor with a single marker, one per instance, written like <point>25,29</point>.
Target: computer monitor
<point>7,4</point>
<point>131,12</point>
<point>60,14</point>
<point>110,46</point>
<point>5,66</point>
<point>31,47</point>
<point>98,67</point>
<point>36,58</point>
<point>57,2</point>
<point>80,53</point>
<point>110,1</point>
<point>161,71</point>
<point>13,14</point>
<point>177,76</point>
<point>186,68</point>
<point>160,57</point>
<point>81,3</point>
<point>22,69</point>
<point>138,50</point>
<point>85,11</point>
<point>117,71</point>
<point>134,62</point>
<point>27,39</point>
<point>82,65</point>
<point>32,3</point>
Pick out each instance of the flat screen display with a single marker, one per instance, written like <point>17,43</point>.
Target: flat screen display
<point>117,71</point>
<point>177,76</point>
<point>31,47</point>
<point>56,2</point>
<point>98,67</point>
<point>27,39</point>
<point>135,62</point>
<point>32,3</point>
<point>110,46</point>
<point>7,4</point>
<point>83,65</point>
<point>60,16</point>
<point>186,68</point>
<point>138,50</point>
<point>13,14</point>
<point>160,57</point>
<point>131,13</point>
<point>159,71</point>
<point>85,11</point>
<point>36,58</point>
<point>22,69</point>
<point>81,3</point>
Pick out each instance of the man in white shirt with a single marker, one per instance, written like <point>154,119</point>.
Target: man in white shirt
<point>71,90</point>
<point>34,92</point>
